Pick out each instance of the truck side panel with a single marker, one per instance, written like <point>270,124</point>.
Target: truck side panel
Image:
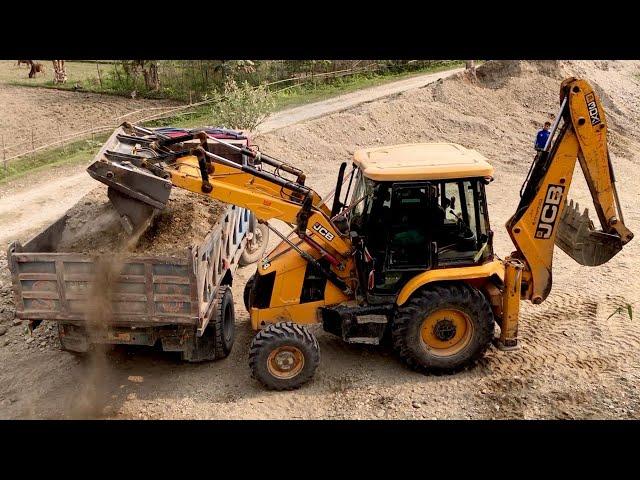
<point>151,290</point>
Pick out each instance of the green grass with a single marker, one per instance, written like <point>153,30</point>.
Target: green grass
<point>83,73</point>
<point>77,152</point>
<point>306,93</point>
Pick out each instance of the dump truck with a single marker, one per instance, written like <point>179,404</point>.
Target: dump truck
<point>182,303</point>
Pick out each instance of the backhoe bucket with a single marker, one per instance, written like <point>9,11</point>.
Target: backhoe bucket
<point>135,193</point>
<point>578,238</point>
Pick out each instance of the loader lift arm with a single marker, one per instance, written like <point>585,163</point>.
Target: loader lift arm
<point>186,162</point>
<point>543,217</point>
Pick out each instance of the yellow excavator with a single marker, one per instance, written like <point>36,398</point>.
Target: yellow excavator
<point>405,254</point>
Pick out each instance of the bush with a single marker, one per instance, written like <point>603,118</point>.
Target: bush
<point>241,106</point>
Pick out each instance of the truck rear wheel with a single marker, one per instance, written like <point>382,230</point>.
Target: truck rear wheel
<point>284,356</point>
<point>254,250</point>
<point>217,340</point>
<point>443,328</point>
<point>224,319</point>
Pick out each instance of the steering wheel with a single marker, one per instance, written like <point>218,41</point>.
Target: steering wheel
<point>466,237</point>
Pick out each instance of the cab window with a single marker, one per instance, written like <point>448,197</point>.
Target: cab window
<point>462,237</point>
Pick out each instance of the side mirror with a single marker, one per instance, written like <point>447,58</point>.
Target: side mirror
<point>337,205</point>
<point>487,180</point>
<point>452,202</point>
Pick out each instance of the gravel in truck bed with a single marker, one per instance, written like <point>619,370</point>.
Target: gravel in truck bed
<point>93,225</point>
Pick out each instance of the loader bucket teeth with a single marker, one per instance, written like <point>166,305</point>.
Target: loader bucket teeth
<point>578,238</point>
<point>135,193</point>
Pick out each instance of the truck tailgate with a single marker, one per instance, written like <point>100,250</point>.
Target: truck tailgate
<point>151,291</point>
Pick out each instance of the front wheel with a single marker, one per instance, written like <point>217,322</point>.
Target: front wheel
<point>284,356</point>
<point>443,328</point>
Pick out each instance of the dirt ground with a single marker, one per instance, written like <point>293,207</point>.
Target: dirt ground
<point>577,359</point>
<point>54,113</point>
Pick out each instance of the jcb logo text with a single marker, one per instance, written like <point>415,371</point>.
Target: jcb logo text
<point>550,210</point>
<point>594,115</point>
<point>323,231</point>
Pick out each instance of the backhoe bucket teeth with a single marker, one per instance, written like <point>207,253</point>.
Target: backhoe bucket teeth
<point>135,193</point>
<point>578,238</point>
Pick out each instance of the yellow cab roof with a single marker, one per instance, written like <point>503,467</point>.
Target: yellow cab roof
<point>421,161</point>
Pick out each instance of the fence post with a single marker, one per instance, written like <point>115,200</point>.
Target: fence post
<point>99,77</point>
<point>64,148</point>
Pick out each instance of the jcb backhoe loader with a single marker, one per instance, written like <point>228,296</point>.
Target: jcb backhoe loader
<point>407,255</point>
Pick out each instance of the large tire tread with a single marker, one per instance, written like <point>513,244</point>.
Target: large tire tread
<point>430,299</point>
<point>222,347</point>
<point>278,334</point>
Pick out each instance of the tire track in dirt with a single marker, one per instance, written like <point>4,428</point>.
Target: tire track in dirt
<point>588,348</point>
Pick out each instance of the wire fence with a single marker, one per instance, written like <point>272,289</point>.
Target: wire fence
<point>38,141</point>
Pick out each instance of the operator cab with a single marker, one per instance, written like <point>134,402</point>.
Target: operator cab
<point>417,207</point>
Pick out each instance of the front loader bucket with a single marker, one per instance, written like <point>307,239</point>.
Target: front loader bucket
<point>578,238</point>
<point>135,193</point>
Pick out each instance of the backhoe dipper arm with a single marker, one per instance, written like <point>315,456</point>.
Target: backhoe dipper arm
<point>543,217</point>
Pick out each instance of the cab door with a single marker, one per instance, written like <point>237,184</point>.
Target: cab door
<point>400,225</point>
<point>413,207</point>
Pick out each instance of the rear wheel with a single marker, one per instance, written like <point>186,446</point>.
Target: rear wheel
<point>217,340</point>
<point>443,328</point>
<point>224,319</point>
<point>284,356</point>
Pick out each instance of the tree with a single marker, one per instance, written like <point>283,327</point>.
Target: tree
<point>470,69</point>
<point>148,69</point>
<point>150,73</point>
<point>241,106</point>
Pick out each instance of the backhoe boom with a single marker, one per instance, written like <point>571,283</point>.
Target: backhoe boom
<point>544,217</point>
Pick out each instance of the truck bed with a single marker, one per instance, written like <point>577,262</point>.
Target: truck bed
<point>150,291</point>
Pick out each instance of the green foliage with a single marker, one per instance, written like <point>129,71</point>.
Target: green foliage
<point>241,106</point>
<point>316,91</point>
<point>237,102</point>
<point>189,80</point>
